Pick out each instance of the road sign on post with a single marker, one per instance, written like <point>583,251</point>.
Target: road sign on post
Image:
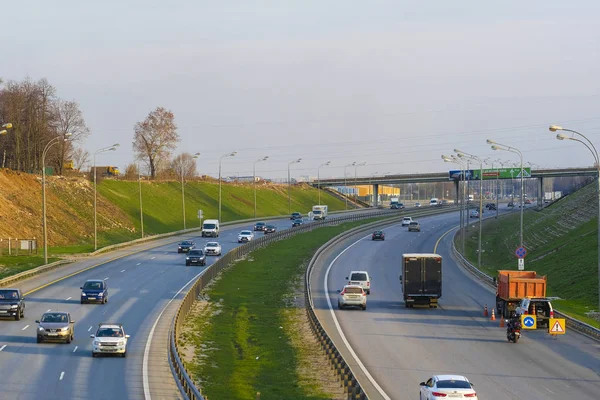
<point>200,216</point>
<point>557,326</point>
<point>521,264</point>
<point>521,252</point>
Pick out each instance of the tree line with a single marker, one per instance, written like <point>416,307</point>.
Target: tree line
<point>39,117</point>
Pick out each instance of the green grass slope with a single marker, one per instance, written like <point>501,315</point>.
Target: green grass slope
<point>561,242</point>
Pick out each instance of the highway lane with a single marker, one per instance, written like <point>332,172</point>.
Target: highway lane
<point>140,285</point>
<point>401,347</point>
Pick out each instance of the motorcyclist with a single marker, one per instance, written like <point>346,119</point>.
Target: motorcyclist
<point>514,323</point>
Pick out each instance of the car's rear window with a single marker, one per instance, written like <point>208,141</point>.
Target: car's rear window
<point>414,223</point>
<point>358,277</point>
<point>406,219</point>
<point>353,290</point>
<point>453,385</point>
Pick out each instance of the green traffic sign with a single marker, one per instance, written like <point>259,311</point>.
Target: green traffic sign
<point>502,173</point>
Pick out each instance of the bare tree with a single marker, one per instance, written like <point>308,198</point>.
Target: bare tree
<point>81,157</point>
<point>155,138</point>
<point>68,118</point>
<point>184,163</point>
<point>131,171</point>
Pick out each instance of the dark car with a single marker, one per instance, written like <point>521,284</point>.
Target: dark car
<point>12,304</point>
<point>94,291</point>
<point>378,235</point>
<point>297,222</point>
<point>270,229</point>
<point>394,206</point>
<point>401,206</point>
<point>185,246</point>
<point>195,257</point>
<point>55,326</point>
<point>260,226</point>
<point>492,207</point>
<point>296,215</point>
<point>488,205</point>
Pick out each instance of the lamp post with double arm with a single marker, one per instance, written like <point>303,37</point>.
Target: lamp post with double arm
<point>290,183</point>
<point>232,154</point>
<point>345,183</point>
<point>265,158</point>
<point>182,173</point>
<point>319,178</point>
<point>103,150</point>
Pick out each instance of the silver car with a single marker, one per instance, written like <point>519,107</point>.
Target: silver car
<point>110,339</point>
<point>212,249</point>
<point>352,296</point>
<point>56,326</point>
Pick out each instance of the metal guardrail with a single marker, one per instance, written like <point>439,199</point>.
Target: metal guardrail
<point>189,389</point>
<point>575,324</point>
<point>31,272</point>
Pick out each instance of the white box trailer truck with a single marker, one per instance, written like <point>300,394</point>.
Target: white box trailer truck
<point>319,212</point>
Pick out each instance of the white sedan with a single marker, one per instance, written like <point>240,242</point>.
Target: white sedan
<point>446,387</point>
<point>352,296</point>
<point>212,249</point>
<point>245,236</point>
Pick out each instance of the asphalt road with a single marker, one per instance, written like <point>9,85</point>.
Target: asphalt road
<point>401,347</point>
<point>140,286</point>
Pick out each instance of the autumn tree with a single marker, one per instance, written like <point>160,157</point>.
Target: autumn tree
<point>155,138</point>
<point>184,164</point>
<point>80,157</point>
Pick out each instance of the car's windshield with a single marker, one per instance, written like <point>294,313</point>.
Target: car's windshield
<point>245,233</point>
<point>209,226</point>
<point>195,253</point>
<point>317,212</point>
<point>260,223</point>
<point>109,332</point>
<point>92,285</point>
<point>54,317</point>
<point>212,244</point>
<point>358,277</point>
<point>353,290</point>
<point>453,385</point>
<point>186,243</point>
<point>9,294</point>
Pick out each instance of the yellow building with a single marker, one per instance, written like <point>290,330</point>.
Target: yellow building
<point>365,190</point>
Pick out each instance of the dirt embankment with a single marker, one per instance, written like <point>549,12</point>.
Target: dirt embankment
<point>70,212</point>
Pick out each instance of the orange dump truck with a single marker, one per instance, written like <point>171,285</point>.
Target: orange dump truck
<point>516,285</point>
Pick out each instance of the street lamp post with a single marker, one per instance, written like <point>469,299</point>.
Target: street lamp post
<point>44,224</point>
<point>592,149</point>
<point>232,154</point>
<point>290,184</point>
<point>457,160</point>
<point>140,190</point>
<point>462,154</point>
<point>355,186</point>
<point>254,179</point>
<point>498,146</point>
<point>345,184</point>
<point>105,149</point>
<point>181,166</point>
<point>319,178</point>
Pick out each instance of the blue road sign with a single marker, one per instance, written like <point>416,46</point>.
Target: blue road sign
<point>528,321</point>
<point>455,175</point>
<point>521,252</point>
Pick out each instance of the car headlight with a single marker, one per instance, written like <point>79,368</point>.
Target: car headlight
<point>66,328</point>
<point>96,343</point>
<point>14,306</point>
<point>121,342</point>
<point>187,258</point>
<point>83,294</point>
<point>40,328</point>
<point>100,294</point>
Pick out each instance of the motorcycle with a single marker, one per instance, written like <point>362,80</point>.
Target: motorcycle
<point>513,331</point>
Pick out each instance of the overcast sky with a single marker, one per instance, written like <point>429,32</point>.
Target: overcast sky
<point>394,83</point>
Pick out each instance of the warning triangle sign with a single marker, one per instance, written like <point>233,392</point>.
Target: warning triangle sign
<point>556,328</point>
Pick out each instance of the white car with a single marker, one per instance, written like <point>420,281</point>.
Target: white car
<point>245,236</point>
<point>212,249</point>
<point>447,387</point>
<point>352,296</point>
<point>110,339</point>
<point>417,204</point>
<point>360,278</point>
<point>406,221</point>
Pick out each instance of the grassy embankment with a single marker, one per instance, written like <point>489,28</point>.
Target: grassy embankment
<point>246,335</point>
<point>70,213</point>
<point>561,242</point>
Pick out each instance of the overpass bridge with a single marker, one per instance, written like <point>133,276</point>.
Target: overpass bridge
<point>392,180</point>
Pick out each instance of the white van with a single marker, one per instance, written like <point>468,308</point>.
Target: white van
<point>434,202</point>
<point>210,228</point>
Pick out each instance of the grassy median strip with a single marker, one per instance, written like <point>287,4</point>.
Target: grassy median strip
<point>250,333</point>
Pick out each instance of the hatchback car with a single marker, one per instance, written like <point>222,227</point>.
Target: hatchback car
<point>260,226</point>
<point>406,221</point>
<point>474,214</point>
<point>195,257</point>
<point>185,246</point>
<point>245,236</point>
<point>447,387</point>
<point>270,229</point>
<point>212,249</point>
<point>296,215</point>
<point>360,278</point>
<point>55,326</point>
<point>352,296</point>
<point>109,339</point>
<point>297,222</point>
<point>378,235</point>
<point>94,291</point>
<point>414,226</point>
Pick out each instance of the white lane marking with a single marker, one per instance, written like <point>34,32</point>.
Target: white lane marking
<point>339,328</point>
<point>62,375</point>
<point>2,348</point>
<point>548,390</point>
<point>152,258</point>
<point>166,252</point>
<point>106,278</point>
<point>104,312</point>
<point>75,349</point>
<point>49,310</point>
<point>162,271</point>
<point>25,327</point>
<point>68,298</point>
<point>149,340</point>
<point>138,264</point>
<point>123,271</point>
<point>90,328</point>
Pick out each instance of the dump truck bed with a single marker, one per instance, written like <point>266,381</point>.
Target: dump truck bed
<point>514,285</point>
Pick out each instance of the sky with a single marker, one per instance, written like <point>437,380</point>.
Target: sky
<point>394,84</point>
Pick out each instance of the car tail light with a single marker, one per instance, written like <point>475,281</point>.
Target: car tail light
<point>438,394</point>
<point>470,394</point>
<point>364,293</point>
<point>343,292</point>
<point>368,283</point>
<point>551,314</point>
